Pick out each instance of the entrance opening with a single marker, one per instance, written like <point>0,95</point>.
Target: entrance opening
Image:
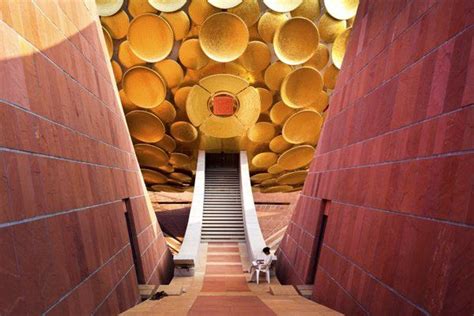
<point>324,212</point>
<point>222,160</point>
<point>132,235</point>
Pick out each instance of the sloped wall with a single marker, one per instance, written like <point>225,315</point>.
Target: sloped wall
<point>67,170</point>
<point>393,171</point>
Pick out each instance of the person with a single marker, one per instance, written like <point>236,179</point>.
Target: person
<point>261,263</point>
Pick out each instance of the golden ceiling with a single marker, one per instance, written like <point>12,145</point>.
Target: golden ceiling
<point>225,76</point>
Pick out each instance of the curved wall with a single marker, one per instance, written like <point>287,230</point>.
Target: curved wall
<point>394,168</point>
<point>67,170</point>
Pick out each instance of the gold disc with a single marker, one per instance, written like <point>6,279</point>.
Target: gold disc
<point>321,104</point>
<point>165,111</point>
<point>138,7</point>
<point>253,33</point>
<point>341,9</point>
<point>167,5</point>
<point>262,132</point>
<point>179,160</point>
<point>181,96</point>
<point>330,76</point>
<point>276,189</point>
<point>275,169</point>
<point>224,37</point>
<point>275,74</point>
<point>256,57</point>
<point>166,168</point>
<point>127,57</point>
<point>279,144</point>
<point>117,71</point>
<point>126,103</point>
<point>301,87</point>
<point>339,48</point>
<point>181,177</point>
<point>249,108</point>
<point>296,157</point>
<point>171,72</point>
<point>222,127</point>
<point>269,182</point>
<point>329,28</point>
<point>319,59</point>
<point>296,41</point>
<point>150,37</point>
<point>144,87</point>
<point>145,126</point>
<point>264,160</point>
<point>197,105</point>
<point>179,22</point>
<point>223,82</point>
<point>280,112</point>
<point>268,24</point>
<point>248,11</point>
<point>303,127</point>
<point>117,24</point>
<point>266,99</point>
<point>167,143</point>
<point>183,132</point>
<point>153,177</point>
<point>108,7</point>
<point>191,54</point>
<point>224,4</point>
<point>309,9</point>
<point>200,10</point>
<point>150,156</point>
<point>293,178</point>
<point>259,177</point>
<point>283,5</point>
<point>109,44</point>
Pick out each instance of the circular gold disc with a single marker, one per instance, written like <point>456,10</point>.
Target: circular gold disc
<point>181,177</point>
<point>259,177</point>
<point>224,37</point>
<point>126,103</point>
<point>150,156</point>
<point>108,42</point>
<point>301,87</point>
<point>262,132</point>
<point>165,111</point>
<point>319,59</point>
<point>145,126</point>
<point>117,71</point>
<point>191,55</point>
<point>181,96</point>
<point>166,168</point>
<point>171,72</point>
<point>296,41</point>
<point>275,169</point>
<point>256,57</point>
<point>330,76</point>
<point>179,160</point>
<point>138,7</point>
<point>321,104</point>
<point>279,144</point>
<point>167,5</point>
<point>339,48</point>
<point>276,189</point>
<point>144,87</point>
<point>266,99</point>
<point>280,112</point>
<point>150,37</point>
<point>200,10</point>
<point>153,177</point>
<point>283,5</point>
<point>268,24</point>
<point>293,178</point>
<point>269,183</point>
<point>264,160</point>
<point>248,11</point>
<point>296,157</point>
<point>303,127</point>
<point>183,132</point>
<point>341,9</point>
<point>225,4</point>
<point>275,74</point>
<point>167,143</point>
<point>108,7</point>
<point>127,57</point>
<point>329,28</point>
<point>179,22</point>
<point>117,24</point>
<point>309,9</point>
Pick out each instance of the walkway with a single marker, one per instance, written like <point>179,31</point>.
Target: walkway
<point>219,287</point>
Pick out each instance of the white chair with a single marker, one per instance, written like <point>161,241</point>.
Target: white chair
<point>264,269</point>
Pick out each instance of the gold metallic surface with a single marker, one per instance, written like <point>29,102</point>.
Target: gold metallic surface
<point>137,7</point>
<point>108,42</point>
<point>165,111</point>
<point>117,24</point>
<point>150,37</point>
<point>309,9</point>
<point>301,87</point>
<point>222,127</point>
<point>283,5</point>
<point>179,22</point>
<point>183,132</point>
<point>191,54</point>
<point>330,76</point>
<point>224,4</point>
<point>167,5</point>
<point>197,105</point>
<point>275,74</point>
<point>117,71</point>
<point>264,160</point>
<point>223,82</point>
<point>166,168</point>
<point>167,143</point>
<point>170,71</point>
<point>126,103</point>
<point>268,23</point>
<point>296,41</point>
<point>275,169</point>
<point>166,188</point>
<point>256,57</point>
<point>108,7</point>
<point>248,11</point>
<point>150,156</point>
<point>200,10</point>
<point>296,157</point>
<point>329,28</point>
<point>153,177</point>
<point>145,126</point>
<point>181,177</point>
<point>181,96</point>
<point>262,132</point>
<point>276,189</point>
<point>266,99</point>
<point>180,160</point>
<point>224,37</point>
<point>249,108</point>
<point>322,102</point>
<point>319,59</point>
<point>144,87</point>
<point>303,127</point>
<point>253,33</point>
<point>339,48</point>
<point>259,177</point>
<point>127,57</point>
<point>342,9</point>
<point>280,112</point>
<point>278,144</point>
<point>293,178</point>
<point>269,182</point>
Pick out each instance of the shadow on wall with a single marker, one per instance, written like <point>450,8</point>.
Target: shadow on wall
<point>68,174</point>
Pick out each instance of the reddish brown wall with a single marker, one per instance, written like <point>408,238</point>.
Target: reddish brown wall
<point>396,164</point>
<point>66,166</point>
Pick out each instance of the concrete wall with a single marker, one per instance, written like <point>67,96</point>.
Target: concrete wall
<point>66,169</point>
<point>394,169</point>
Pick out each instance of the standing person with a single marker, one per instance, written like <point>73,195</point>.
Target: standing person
<point>261,263</point>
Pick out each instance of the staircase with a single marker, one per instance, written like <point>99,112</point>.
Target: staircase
<point>222,217</point>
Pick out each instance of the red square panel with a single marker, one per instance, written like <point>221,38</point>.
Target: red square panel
<point>223,105</point>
